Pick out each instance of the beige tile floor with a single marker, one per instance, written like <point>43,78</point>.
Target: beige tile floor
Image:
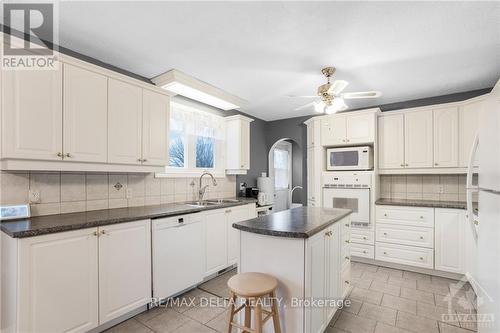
<point>383,300</point>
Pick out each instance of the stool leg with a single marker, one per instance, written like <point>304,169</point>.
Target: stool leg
<point>248,315</point>
<point>257,313</point>
<point>232,299</point>
<point>276,316</point>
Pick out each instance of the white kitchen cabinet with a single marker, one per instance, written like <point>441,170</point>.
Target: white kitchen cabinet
<point>360,128</point>
<point>405,255</point>
<point>155,120</point>
<point>32,114</point>
<point>450,251</point>
<point>215,241</point>
<point>468,126</point>
<point>391,141</point>
<point>313,133</point>
<point>418,139</point>
<point>178,244</point>
<point>85,120</point>
<point>124,123</point>
<point>233,215</point>
<point>446,137</point>
<point>50,282</point>
<point>124,268</point>
<point>315,166</point>
<point>238,147</point>
<point>333,130</point>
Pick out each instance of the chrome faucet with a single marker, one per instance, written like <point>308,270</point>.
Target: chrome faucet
<point>201,191</point>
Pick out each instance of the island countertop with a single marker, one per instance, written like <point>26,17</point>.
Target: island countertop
<point>300,222</point>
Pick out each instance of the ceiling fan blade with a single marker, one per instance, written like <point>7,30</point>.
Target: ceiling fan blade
<point>337,87</point>
<point>302,96</point>
<point>305,106</point>
<point>338,104</point>
<point>362,94</point>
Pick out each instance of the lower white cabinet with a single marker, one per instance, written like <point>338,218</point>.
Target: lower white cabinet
<point>450,243</point>
<point>124,268</point>
<point>405,255</point>
<point>77,280</point>
<point>234,214</point>
<point>57,283</point>
<point>178,244</point>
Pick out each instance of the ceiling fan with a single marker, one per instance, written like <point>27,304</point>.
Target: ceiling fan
<point>330,96</point>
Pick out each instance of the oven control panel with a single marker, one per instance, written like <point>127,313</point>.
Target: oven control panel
<point>347,180</point>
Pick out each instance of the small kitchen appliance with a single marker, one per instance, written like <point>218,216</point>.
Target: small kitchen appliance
<point>349,158</point>
<point>266,186</point>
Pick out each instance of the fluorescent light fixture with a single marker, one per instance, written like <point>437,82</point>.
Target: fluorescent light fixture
<point>182,84</point>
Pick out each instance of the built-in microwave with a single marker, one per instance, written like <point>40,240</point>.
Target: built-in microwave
<point>349,158</point>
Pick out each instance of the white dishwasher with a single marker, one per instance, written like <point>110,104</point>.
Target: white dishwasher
<point>177,254</point>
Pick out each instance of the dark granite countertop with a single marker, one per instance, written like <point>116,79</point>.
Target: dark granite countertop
<point>48,224</point>
<point>300,222</point>
<point>424,203</point>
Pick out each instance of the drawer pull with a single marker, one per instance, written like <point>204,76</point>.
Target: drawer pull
<point>421,237</point>
<point>364,237</point>
<point>346,282</point>
<point>385,214</point>
<point>421,217</point>
<point>385,252</point>
<point>347,258</point>
<point>347,225</point>
<point>347,241</point>
<point>421,258</point>
<point>364,251</point>
<point>385,233</point>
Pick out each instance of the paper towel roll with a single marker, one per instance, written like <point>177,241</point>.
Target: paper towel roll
<point>266,185</point>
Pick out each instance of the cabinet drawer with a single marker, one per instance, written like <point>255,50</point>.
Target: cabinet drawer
<point>405,235</point>
<point>406,255</point>
<point>416,216</point>
<point>363,251</point>
<point>362,236</point>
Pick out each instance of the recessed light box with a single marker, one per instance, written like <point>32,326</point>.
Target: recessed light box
<point>182,84</point>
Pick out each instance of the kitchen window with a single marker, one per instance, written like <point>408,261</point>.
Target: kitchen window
<point>196,141</point>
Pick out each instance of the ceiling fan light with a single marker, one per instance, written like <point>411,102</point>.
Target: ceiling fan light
<point>319,107</point>
<point>338,104</point>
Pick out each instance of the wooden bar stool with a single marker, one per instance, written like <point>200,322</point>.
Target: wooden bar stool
<point>254,288</point>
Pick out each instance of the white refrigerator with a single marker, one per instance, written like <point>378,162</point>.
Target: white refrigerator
<point>486,225</point>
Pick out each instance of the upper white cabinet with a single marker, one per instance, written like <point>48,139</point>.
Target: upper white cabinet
<point>418,139</point>
<point>85,119</point>
<point>125,122</point>
<point>446,137</point>
<point>81,117</point>
<point>124,268</point>
<point>32,114</point>
<point>450,249</point>
<point>313,132</point>
<point>238,144</point>
<point>348,129</point>
<point>391,141</point>
<point>155,119</point>
<point>57,282</point>
<point>468,125</point>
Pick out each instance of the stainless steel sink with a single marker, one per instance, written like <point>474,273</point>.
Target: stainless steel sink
<point>222,201</point>
<point>204,203</point>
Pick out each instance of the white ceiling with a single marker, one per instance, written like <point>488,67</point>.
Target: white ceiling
<point>264,51</point>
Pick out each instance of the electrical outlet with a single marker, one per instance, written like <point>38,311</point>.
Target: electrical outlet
<point>34,196</point>
<point>129,193</point>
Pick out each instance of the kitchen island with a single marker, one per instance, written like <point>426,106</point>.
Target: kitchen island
<point>307,250</point>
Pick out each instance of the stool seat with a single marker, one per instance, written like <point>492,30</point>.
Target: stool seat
<point>252,284</point>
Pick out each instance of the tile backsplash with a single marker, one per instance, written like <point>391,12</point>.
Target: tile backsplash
<point>62,192</point>
<point>424,187</point>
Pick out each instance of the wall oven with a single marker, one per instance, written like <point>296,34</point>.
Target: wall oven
<point>351,191</point>
<point>349,158</point>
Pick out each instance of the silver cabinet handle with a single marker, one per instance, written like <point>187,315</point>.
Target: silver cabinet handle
<point>347,225</point>
<point>59,154</point>
<point>347,258</point>
<point>385,252</point>
<point>436,164</point>
<point>421,237</point>
<point>103,232</point>
<point>139,160</point>
<point>346,281</point>
<point>96,233</point>
<point>144,160</point>
<point>365,238</point>
<point>402,165</point>
<point>68,155</point>
<point>406,164</point>
<point>421,258</point>
<point>364,251</point>
<point>385,233</point>
<point>421,217</point>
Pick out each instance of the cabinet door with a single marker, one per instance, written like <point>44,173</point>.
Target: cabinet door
<point>311,175</point>
<point>468,126</point>
<point>450,240</point>
<point>58,282</point>
<point>215,241</point>
<point>391,142</point>
<point>156,112</point>
<point>124,268</point>
<point>245,145</point>
<point>124,123</point>
<point>314,133</point>
<point>316,281</point>
<point>446,138</point>
<point>177,245</point>
<point>85,115</point>
<point>360,128</point>
<point>333,131</point>
<point>418,139</point>
<point>32,114</point>
<point>333,266</point>
<point>234,214</point>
